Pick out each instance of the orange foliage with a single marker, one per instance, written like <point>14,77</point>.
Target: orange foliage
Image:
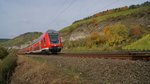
<point>94,36</point>
<point>93,39</point>
<point>124,8</point>
<point>136,31</point>
<point>106,32</point>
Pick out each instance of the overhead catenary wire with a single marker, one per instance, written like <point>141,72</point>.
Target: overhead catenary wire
<point>62,11</point>
<point>69,5</point>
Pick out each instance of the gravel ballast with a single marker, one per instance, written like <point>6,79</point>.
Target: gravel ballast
<point>97,71</point>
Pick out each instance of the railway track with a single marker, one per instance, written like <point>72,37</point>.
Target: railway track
<point>118,55</point>
<point>113,55</point>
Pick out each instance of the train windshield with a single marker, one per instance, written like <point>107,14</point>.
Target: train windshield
<point>53,38</point>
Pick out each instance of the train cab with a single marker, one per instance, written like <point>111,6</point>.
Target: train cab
<point>54,41</point>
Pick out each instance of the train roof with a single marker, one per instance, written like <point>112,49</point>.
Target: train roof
<point>52,31</point>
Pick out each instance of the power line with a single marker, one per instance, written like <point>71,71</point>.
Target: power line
<point>69,5</point>
<point>61,12</point>
<point>61,8</point>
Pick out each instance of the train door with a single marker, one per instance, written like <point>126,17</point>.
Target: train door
<point>43,43</point>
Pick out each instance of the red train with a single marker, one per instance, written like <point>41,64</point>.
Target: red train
<point>49,41</point>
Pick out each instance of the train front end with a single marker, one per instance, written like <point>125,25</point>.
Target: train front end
<point>55,41</point>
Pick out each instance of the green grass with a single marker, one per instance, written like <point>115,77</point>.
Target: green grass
<point>6,67</point>
<point>0,62</point>
<point>141,44</point>
<point>3,52</point>
<point>104,17</point>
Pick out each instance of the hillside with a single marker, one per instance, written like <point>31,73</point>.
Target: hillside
<point>109,30</point>
<point>141,44</point>
<point>97,22</point>
<point>22,39</point>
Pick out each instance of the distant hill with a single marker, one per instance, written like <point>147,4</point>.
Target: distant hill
<point>3,40</point>
<point>109,30</point>
<point>22,39</point>
<point>141,44</point>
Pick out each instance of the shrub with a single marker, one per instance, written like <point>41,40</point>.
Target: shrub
<point>94,39</point>
<point>116,34</point>
<point>136,31</point>
<point>6,67</point>
<point>3,52</point>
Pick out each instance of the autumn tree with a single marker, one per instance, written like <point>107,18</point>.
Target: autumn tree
<point>124,8</point>
<point>136,31</point>
<point>106,32</point>
<point>116,34</point>
<point>94,39</point>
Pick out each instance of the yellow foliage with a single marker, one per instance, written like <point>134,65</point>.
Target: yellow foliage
<point>94,39</point>
<point>116,33</point>
<point>106,32</point>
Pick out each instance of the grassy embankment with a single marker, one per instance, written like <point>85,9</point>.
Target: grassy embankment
<point>141,44</point>
<point>60,70</point>
<point>7,65</point>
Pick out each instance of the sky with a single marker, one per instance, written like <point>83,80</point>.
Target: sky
<point>21,16</point>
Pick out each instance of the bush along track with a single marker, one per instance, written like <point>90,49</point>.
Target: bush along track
<point>7,65</point>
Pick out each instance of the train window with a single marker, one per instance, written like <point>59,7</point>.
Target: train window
<point>53,38</point>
